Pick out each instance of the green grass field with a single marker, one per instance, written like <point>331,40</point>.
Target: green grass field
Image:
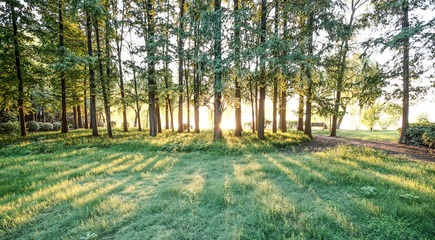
<point>376,135</point>
<point>187,187</point>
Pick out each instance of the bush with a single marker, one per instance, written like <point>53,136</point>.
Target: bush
<point>40,125</point>
<point>32,126</point>
<point>101,124</point>
<point>428,137</point>
<point>57,126</point>
<point>417,130</point>
<point>113,124</point>
<point>46,127</point>
<point>9,127</point>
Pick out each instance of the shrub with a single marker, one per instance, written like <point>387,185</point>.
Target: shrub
<point>9,127</point>
<point>428,137</point>
<point>40,125</point>
<point>113,124</point>
<point>32,126</point>
<point>417,130</point>
<point>101,124</point>
<point>57,126</point>
<point>46,127</point>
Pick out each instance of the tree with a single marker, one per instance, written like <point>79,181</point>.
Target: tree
<point>180,66</point>
<point>390,114</point>
<point>371,116</point>
<point>151,68</point>
<point>262,82</point>
<point>404,35</point>
<point>217,65</point>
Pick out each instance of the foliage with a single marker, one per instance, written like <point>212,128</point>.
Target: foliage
<point>423,118</point>
<point>32,126</point>
<point>371,116</point>
<point>46,127</point>
<point>390,114</point>
<point>417,130</point>
<point>9,127</point>
<point>57,126</point>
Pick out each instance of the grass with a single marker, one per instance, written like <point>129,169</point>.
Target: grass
<point>187,187</point>
<point>375,135</point>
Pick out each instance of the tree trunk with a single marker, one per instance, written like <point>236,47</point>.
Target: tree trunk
<point>340,119</point>
<point>187,95</point>
<point>158,119</point>
<point>79,115</point>
<point>405,107</point>
<point>283,112</point>
<point>251,94</point>
<point>119,41</point>
<point>237,90</point>
<point>275,78</point>
<point>301,113</point>
<point>20,99</point>
<point>85,104</point>
<point>308,109</point>
<point>151,69</point>
<point>102,80</point>
<point>92,82</point>
<point>196,85</point>
<point>261,109</point>
<point>62,71</point>
<point>180,68</point>
<point>217,133</point>
<point>343,65</point>
<point>75,118</point>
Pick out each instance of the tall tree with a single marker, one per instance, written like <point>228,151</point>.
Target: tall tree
<point>262,81</point>
<point>13,4</point>
<point>92,82</point>
<point>237,87</point>
<point>180,66</point>
<point>218,86</point>
<point>62,71</point>
<point>151,68</point>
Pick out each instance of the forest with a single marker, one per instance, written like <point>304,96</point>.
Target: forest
<point>74,63</point>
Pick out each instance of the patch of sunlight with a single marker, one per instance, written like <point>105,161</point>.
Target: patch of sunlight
<point>133,159</point>
<point>330,154</point>
<point>274,202</point>
<point>108,214</point>
<point>248,174</point>
<point>194,187</point>
<point>108,166</point>
<point>80,170</point>
<point>335,214</point>
<point>96,194</point>
<point>143,165</point>
<point>369,206</point>
<point>164,164</point>
<point>290,174</point>
<point>405,182</point>
<point>26,207</point>
<point>304,167</point>
<point>376,161</point>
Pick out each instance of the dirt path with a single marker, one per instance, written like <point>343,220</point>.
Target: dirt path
<point>421,153</point>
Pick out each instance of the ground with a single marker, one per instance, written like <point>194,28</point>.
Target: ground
<point>185,186</point>
<point>321,142</point>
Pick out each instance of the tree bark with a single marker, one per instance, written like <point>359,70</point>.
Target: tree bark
<point>151,69</point>
<point>405,75</point>
<point>187,95</point>
<point>251,94</point>
<point>262,86</point>
<point>218,87</point>
<point>75,118</point>
<point>102,80</point>
<point>180,68</point>
<point>92,82</point>
<point>62,71</point>
<point>237,88</point>
<point>85,104</point>
<point>119,41</point>
<point>17,53</point>
<point>79,115</point>
<point>283,112</point>
<point>308,73</point>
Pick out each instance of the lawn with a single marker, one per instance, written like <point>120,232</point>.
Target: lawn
<point>184,186</point>
<point>375,135</point>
